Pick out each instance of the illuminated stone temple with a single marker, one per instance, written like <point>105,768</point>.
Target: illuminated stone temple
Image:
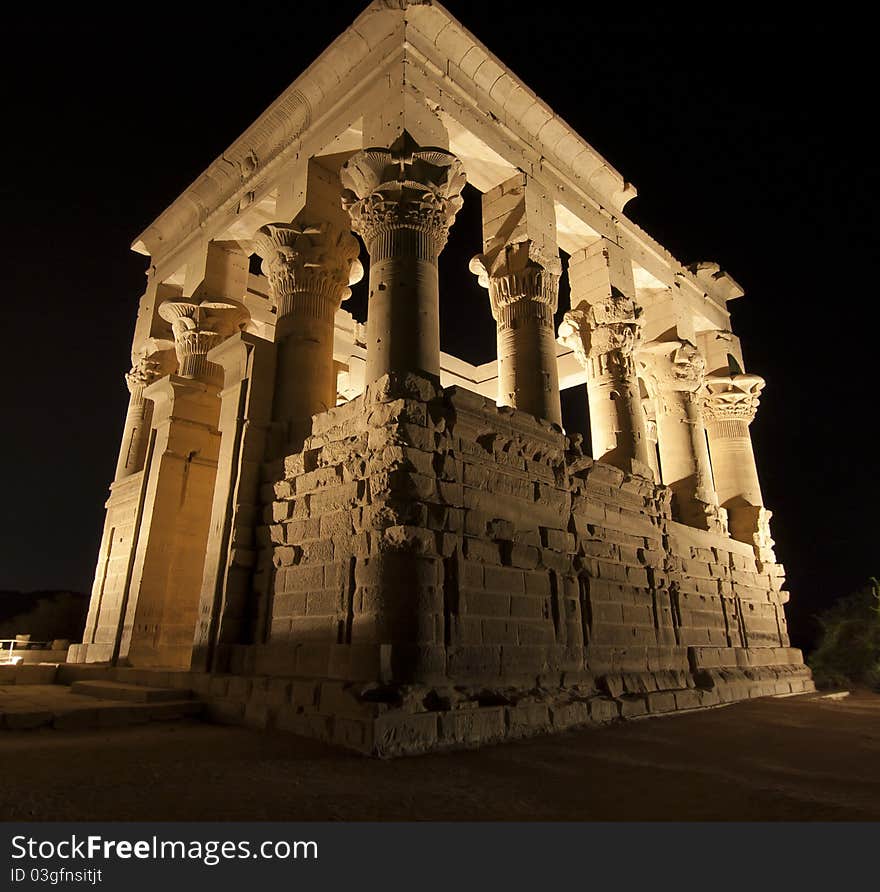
<point>337,528</point>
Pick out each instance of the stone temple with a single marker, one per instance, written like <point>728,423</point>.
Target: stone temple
<point>339,529</point>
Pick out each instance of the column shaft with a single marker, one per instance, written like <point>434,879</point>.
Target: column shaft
<point>310,264</point>
<point>520,267</point>
<point>403,323</point>
<point>306,379</point>
<point>684,457</point>
<point>651,439</point>
<point>730,404</point>
<point>136,433</point>
<point>733,463</point>
<point>616,417</point>
<point>603,336</point>
<point>675,369</point>
<point>402,202</point>
<point>527,372</point>
<point>138,418</point>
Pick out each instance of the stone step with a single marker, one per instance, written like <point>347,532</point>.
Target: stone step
<point>131,693</point>
<point>102,715</point>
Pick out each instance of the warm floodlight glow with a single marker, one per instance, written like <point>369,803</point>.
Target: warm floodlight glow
<point>299,497</point>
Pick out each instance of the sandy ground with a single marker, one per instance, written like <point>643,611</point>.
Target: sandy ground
<point>776,759</point>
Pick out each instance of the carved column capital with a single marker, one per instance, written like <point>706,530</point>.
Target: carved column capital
<point>403,189</point>
<point>604,335</point>
<point>199,327</point>
<point>142,374</point>
<point>310,266</point>
<point>729,406</point>
<point>153,360</point>
<point>673,365</point>
<point>731,398</point>
<point>520,280</point>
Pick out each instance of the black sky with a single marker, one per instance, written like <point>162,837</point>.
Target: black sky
<point>749,143</point>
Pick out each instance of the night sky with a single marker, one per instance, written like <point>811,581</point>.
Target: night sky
<point>748,144</point>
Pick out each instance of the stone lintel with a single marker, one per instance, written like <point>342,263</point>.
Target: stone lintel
<point>253,169</point>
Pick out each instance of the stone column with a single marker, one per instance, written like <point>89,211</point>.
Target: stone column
<point>197,328</point>
<point>729,406</point>
<point>402,201</point>
<point>677,370</point>
<point>310,265</point>
<point>521,268</point>
<point>604,336</point>
<point>162,602</point>
<point>651,435</point>
<point>248,364</point>
<point>136,433</point>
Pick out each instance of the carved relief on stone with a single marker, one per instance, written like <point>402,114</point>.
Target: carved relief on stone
<point>520,279</point>
<point>309,266</point>
<point>716,517</point>
<point>763,538</point>
<point>154,360</point>
<point>676,370</point>
<point>650,425</point>
<point>673,365</point>
<point>403,188</point>
<point>199,327</point>
<point>604,335</point>
<point>731,397</point>
<point>143,373</point>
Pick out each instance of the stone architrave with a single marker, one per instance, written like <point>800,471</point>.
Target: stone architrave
<point>310,264</point>
<point>676,369</point>
<point>730,403</point>
<point>604,336</point>
<point>402,202</point>
<point>520,267</point>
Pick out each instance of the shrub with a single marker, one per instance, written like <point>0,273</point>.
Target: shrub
<point>849,647</point>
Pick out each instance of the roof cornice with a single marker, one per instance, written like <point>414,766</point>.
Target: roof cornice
<point>425,34</point>
<point>377,37</point>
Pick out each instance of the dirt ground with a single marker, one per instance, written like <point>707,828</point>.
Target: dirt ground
<point>774,759</point>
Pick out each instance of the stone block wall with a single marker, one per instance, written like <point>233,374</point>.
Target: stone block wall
<point>112,576</point>
<point>426,540</point>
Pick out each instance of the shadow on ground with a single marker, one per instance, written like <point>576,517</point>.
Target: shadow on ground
<point>798,758</point>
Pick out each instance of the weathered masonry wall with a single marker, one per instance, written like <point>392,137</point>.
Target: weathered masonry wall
<point>113,571</point>
<point>425,540</point>
<point>419,567</point>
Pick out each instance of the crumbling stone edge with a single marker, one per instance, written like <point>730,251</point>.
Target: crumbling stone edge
<point>386,721</point>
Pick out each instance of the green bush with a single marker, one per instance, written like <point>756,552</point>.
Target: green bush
<point>849,647</point>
